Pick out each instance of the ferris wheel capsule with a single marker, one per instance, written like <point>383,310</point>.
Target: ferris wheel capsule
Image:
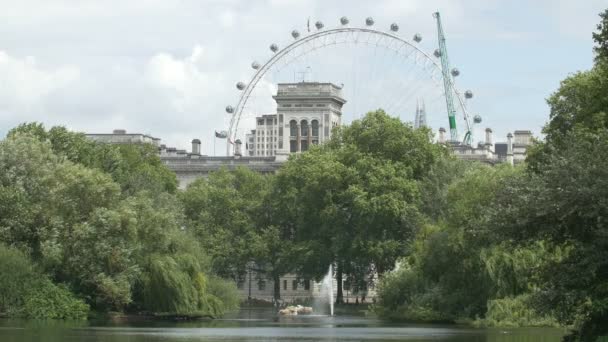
<point>437,53</point>
<point>344,21</point>
<point>394,27</point>
<point>369,21</point>
<point>295,34</point>
<point>229,109</point>
<point>455,72</point>
<point>319,25</point>
<point>240,86</point>
<point>417,38</point>
<point>274,48</point>
<point>477,119</point>
<point>468,94</point>
<point>255,65</point>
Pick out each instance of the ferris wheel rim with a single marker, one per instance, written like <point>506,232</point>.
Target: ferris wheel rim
<point>280,53</point>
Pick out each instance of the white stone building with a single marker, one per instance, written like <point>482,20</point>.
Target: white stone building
<point>306,114</point>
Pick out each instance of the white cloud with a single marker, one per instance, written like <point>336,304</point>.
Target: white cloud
<point>26,86</point>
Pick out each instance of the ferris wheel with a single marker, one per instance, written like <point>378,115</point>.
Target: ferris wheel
<point>378,68</point>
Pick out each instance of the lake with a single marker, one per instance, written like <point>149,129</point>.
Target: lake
<point>262,325</point>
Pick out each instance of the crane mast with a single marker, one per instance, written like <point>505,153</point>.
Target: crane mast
<point>447,78</point>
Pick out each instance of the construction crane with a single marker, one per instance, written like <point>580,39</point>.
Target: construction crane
<point>442,53</point>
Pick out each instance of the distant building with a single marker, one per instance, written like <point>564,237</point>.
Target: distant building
<point>292,289</point>
<point>513,151</point>
<point>306,114</point>
<point>120,136</point>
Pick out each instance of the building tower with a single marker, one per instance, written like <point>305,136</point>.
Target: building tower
<point>420,120</point>
<point>306,114</point>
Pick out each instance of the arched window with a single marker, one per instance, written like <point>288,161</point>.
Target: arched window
<point>304,128</point>
<point>293,128</point>
<point>315,128</point>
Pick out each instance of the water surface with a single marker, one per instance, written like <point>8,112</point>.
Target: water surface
<point>262,325</point>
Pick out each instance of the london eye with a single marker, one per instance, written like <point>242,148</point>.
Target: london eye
<point>377,69</point>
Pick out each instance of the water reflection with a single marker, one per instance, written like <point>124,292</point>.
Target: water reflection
<point>262,325</point>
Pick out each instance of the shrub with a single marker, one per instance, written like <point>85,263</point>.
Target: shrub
<point>27,292</point>
<point>515,312</point>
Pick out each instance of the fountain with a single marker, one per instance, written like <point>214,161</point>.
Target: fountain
<point>327,289</point>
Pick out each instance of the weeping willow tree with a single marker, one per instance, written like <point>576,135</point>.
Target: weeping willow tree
<point>176,285</point>
<point>517,279</point>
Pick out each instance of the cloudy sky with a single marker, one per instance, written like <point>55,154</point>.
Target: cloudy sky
<point>168,67</point>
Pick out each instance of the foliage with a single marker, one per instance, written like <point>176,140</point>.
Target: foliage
<point>225,290</point>
<point>601,39</point>
<point>136,167</point>
<point>222,212</point>
<point>515,312</point>
<point>46,300</point>
<point>457,266</point>
<point>355,201</point>
<point>26,292</point>
<point>93,217</point>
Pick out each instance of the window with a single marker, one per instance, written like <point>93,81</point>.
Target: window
<point>306,284</point>
<point>261,285</point>
<point>315,128</point>
<point>304,145</point>
<point>304,128</point>
<point>320,105</point>
<point>284,284</point>
<point>293,128</point>
<point>294,285</point>
<point>292,146</point>
<point>260,122</point>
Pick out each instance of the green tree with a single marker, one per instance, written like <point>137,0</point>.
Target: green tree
<point>565,203</point>
<point>601,39</point>
<point>222,212</point>
<point>355,201</point>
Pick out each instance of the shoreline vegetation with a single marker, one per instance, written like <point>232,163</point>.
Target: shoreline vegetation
<point>89,229</point>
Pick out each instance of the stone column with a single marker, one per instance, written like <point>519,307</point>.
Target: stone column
<point>298,138</point>
<point>309,134</point>
<point>488,143</point>
<point>237,149</point>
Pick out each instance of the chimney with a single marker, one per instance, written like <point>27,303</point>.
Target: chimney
<point>196,146</point>
<point>488,136</point>
<point>442,135</point>
<point>510,149</point>
<point>237,148</point>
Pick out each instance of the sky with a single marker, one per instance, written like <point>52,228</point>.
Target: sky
<point>168,68</point>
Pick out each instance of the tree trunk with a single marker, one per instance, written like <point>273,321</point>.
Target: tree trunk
<point>340,293</point>
<point>277,289</point>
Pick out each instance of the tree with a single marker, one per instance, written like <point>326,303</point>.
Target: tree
<point>98,237</point>
<point>222,213</point>
<point>355,201</point>
<point>601,39</point>
<point>565,203</point>
<point>136,167</point>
